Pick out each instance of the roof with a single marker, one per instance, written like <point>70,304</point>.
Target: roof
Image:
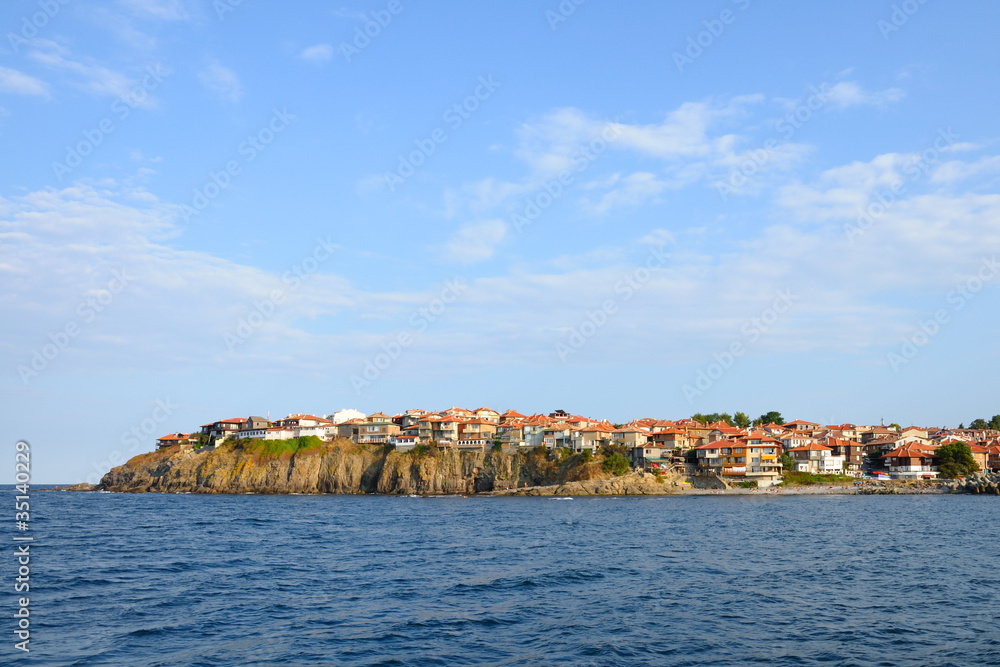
<point>300,416</point>
<point>910,451</point>
<point>234,420</point>
<point>812,447</point>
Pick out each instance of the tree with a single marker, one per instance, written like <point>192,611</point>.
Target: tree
<point>979,424</point>
<point>995,423</point>
<point>712,418</point>
<point>741,419</point>
<point>955,460</point>
<point>787,462</point>
<point>769,418</point>
<point>616,464</point>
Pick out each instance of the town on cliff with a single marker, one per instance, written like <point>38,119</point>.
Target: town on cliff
<point>759,453</point>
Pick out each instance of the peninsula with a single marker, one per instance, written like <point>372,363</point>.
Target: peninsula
<point>458,451</point>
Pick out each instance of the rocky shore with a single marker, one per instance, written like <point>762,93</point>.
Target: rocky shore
<point>344,467</point>
<point>980,482</point>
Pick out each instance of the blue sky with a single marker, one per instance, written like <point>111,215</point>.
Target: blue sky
<point>215,209</point>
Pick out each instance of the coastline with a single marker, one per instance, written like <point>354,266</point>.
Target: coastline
<point>342,467</point>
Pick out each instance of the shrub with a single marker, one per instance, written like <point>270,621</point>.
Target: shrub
<point>272,449</point>
<point>748,484</point>
<point>616,464</point>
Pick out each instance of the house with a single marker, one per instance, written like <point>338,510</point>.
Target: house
<point>652,457</point>
<point>558,435</point>
<point>291,421</point>
<point>409,418</point>
<point>405,443</point>
<point>753,457</point>
<point>877,433</point>
<point>350,429</point>
<point>709,455</point>
<point>172,439</point>
<point>222,428</point>
<point>674,438</point>
<point>911,462</point>
<point>817,459</point>
<point>268,433</point>
<point>852,451</point>
<point>993,455</point>
<point>980,453</point>
<point>762,459</point>
<point>630,436</point>
<point>254,423</point>
<point>341,416</point>
<point>800,425</point>
<point>460,413</point>
<point>592,437</point>
<point>488,414</point>
<point>510,415</point>
<point>511,433</point>
<point>913,434</point>
<point>377,429</point>
<point>533,430</point>
<point>655,426</point>
<point>793,439</point>
<point>477,434</point>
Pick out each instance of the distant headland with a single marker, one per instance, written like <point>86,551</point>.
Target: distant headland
<point>459,451</point>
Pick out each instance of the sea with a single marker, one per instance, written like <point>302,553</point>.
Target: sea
<point>156,579</point>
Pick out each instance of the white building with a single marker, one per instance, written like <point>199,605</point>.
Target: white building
<point>341,416</point>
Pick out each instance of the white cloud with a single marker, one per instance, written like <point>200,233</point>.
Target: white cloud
<point>163,10</point>
<point>658,237</point>
<point>633,190</point>
<point>850,94</point>
<point>320,53</point>
<point>475,242</point>
<point>18,83</point>
<point>958,170</point>
<point>221,82</point>
<point>90,76</point>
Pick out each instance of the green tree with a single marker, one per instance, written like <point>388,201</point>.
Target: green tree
<point>979,424</point>
<point>712,418</point>
<point>616,464</point>
<point>787,462</point>
<point>740,419</point>
<point>955,460</point>
<point>769,418</point>
<point>995,423</point>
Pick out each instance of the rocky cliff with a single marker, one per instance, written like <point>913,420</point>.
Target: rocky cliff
<point>344,467</point>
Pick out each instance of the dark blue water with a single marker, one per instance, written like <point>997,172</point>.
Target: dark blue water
<point>360,580</point>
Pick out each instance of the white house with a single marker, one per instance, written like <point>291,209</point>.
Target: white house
<point>341,416</point>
